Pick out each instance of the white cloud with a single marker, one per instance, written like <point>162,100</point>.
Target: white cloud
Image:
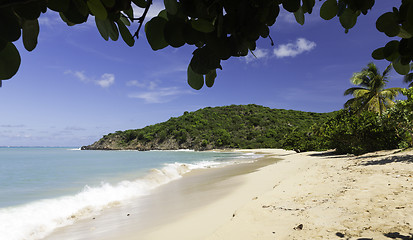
<point>293,49</point>
<point>283,50</point>
<point>81,76</point>
<point>148,85</point>
<point>161,95</point>
<point>156,85</point>
<point>106,80</point>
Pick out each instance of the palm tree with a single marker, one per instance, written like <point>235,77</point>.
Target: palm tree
<point>370,94</point>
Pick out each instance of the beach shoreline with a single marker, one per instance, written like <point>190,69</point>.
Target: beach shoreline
<point>165,203</point>
<point>312,195</point>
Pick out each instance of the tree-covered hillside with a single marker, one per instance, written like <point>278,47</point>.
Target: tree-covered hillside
<point>235,126</point>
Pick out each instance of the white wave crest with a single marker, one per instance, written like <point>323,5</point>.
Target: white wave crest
<point>38,219</point>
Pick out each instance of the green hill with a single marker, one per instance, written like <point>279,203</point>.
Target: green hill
<point>235,126</point>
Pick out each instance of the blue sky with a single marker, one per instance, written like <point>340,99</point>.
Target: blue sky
<point>75,86</point>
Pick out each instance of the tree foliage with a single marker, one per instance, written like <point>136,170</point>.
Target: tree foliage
<point>347,132</point>
<point>235,126</point>
<point>357,134</point>
<point>218,29</point>
<point>401,117</point>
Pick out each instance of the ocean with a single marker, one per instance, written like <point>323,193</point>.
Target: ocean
<point>44,189</point>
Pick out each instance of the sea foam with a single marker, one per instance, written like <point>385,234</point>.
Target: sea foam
<point>38,219</point>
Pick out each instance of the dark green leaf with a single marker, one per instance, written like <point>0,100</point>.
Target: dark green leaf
<point>365,5</point>
<point>30,34</point>
<point>9,25</point>
<point>129,13</point>
<point>109,3</point>
<point>103,27</point>
<point>299,16</point>
<point>30,10</point>
<point>174,33</point>
<point>77,13</point>
<point>387,23</point>
<point>391,50</point>
<point>79,6</point>
<point>58,5</point>
<point>155,33</point>
<point>126,35</point>
<point>125,20</point>
<point>97,9</point>
<point>107,29</point>
<point>140,3</point>
<point>220,25</point>
<point>67,21</point>
<point>348,19</point>
<point>113,31</point>
<point>400,68</point>
<point>171,6</point>
<point>192,36</point>
<point>409,14</point>
<point>205,59</point>
<point>406,49</point>
<point>329,9</point>
<point>264,31</point>
<point>202,25</point>
<point>163,14</point>
<point>308,6</point>
<point>404,34</point>
<point>404,60</point>
<point>210,78</point>
<point>195,80</point>
<point>274,11</point>
<point>378,54</point>
<point>3,44</point>
<point>291,5</point>
<point>9,61</point>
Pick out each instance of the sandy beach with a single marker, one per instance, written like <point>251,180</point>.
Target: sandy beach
<point>313,195</point>
<point>309,196</point>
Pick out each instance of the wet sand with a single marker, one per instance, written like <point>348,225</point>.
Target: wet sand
<point>166,204</point>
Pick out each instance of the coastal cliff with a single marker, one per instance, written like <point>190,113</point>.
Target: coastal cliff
<point>235,126</point>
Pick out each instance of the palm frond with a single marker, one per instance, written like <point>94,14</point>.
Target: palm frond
<point>390,93</point>
<point>387,71</point>
<point>370,93</point>
<point>351,90</point>
<point>372,69</point>
<point>361,93</point>
<point>408,79</point>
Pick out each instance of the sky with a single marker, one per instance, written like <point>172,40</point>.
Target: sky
<point>76,87</point>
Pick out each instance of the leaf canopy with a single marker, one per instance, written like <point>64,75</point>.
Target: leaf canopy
<point>218,30</point>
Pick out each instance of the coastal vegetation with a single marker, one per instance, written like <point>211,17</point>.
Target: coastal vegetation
<point>235,126</point>
<point>370,121</point>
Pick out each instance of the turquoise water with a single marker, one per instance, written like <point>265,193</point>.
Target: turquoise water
<point>41,189</point>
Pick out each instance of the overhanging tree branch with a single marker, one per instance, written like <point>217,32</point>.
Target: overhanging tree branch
<point>142,18</point>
